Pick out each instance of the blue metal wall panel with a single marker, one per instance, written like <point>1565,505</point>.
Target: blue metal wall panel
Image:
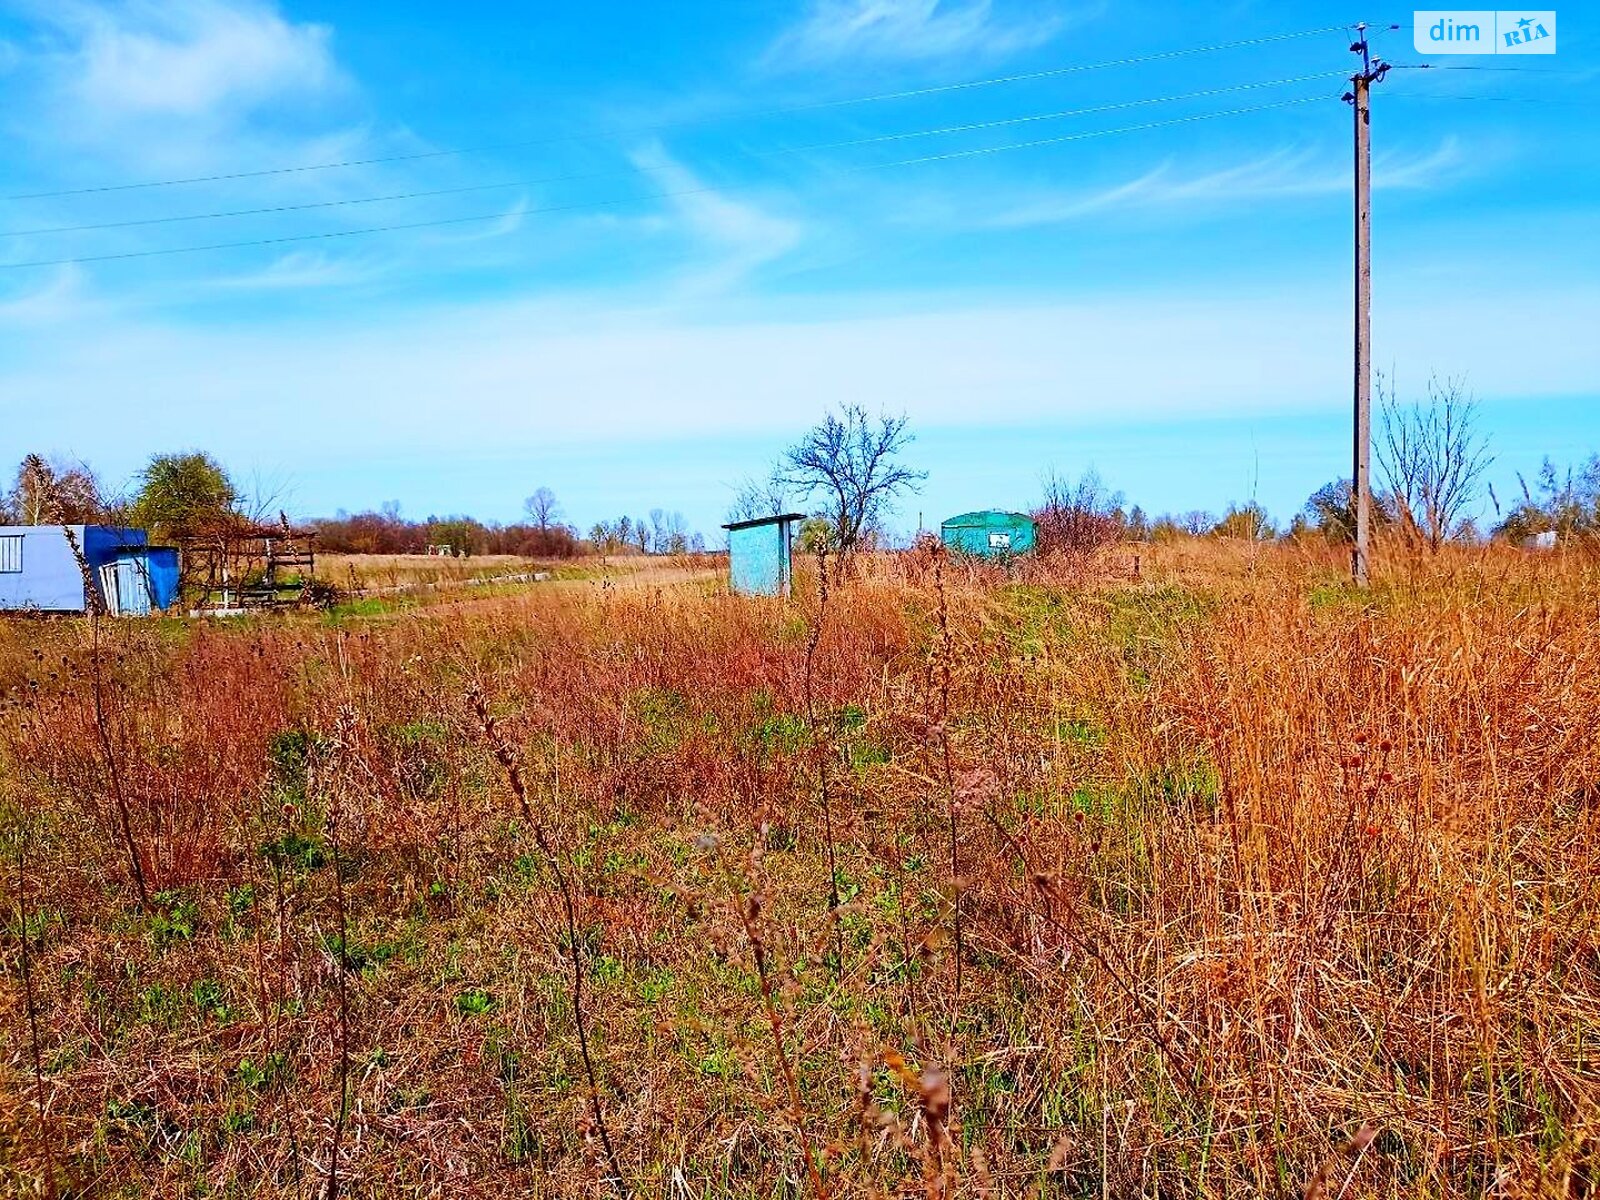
<point>147,579</point>
<point>758,559</point>
<point>133,587</point>
<point>49,580</point>
<point>163,563</point>
<point>103,543</point>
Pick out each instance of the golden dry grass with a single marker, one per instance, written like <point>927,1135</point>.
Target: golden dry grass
<point>1223,881</point>
<point>357,572</point>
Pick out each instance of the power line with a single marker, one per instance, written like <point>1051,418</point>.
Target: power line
<point>1078,112</point>
<point>1075,137</point>
<point>1504,99</point>
<point>496,216</point>
<point>912,93</point>
<point>1068,70</point>
<point>969,127</point>
<point>1476,67</point>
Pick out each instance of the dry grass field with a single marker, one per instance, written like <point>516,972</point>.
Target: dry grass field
<point>372,583</point>
<point>1222,881</point>
<point>356,573</point>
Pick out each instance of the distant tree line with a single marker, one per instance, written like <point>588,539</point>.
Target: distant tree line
<point>1077,517</point>
<point>186,493</point>
<point>846,473</point>
<point>1430,459</point>
<point>1561,500</point>
<point>387,532</point>
<point>1430,456</point>
<point>661,533</point>
<point>541,535</point>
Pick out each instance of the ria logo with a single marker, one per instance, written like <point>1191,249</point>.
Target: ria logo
<point>1484,31</point>
<point>1528,31</point>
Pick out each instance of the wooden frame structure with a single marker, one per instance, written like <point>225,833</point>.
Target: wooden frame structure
<point>244,564</point>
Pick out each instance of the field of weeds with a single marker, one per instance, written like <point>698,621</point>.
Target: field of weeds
<point>1224,880</point>
<point>357,574</point>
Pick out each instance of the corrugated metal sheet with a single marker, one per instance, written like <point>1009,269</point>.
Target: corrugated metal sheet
<point>141,580</point>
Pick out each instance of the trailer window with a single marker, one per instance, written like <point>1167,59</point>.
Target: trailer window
<point>11,553</point>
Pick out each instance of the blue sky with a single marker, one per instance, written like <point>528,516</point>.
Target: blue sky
<point>701,226</point>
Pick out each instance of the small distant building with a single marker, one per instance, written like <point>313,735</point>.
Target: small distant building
<point>988,534</point>
<point>40,573</point>
<point>761,553</point>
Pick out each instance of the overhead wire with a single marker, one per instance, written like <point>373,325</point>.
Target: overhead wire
<point>441,222</point>
<point>850,143</point>
<point>1405,95</point>
<point>1075,137</point>
<point>1079,112</point>
<point>1481,67</point>
<point>813,106</point>
<point>1507,99</point>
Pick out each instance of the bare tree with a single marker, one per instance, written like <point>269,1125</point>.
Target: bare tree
<point>263,497</point>
<point>53,493</point>
<point>851,459</point>
<point>668,533</point>
<point>756,498</point>
<point>606,537</point>
<point>677,533</point>
<point>542,508</point>
<point>1194,523</point>
<point>1433,457</point>
<point>1077,518</point>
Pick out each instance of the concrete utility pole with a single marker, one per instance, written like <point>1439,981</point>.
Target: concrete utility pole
<point>1361,472</point>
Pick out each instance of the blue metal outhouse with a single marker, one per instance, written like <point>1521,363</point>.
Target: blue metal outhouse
<point>760,554</point>
<point>142,579</point>
<point>40,573</point>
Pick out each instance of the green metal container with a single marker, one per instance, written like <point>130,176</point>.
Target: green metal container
<point>988,534</point>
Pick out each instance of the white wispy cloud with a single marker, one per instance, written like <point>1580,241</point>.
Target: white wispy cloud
<point>173,87</point>
<point>511,218</point>
<point>59,298</point>
<point>738,237</point>
<point>301,269</point>
<point>1285,173</point>
<point>908,30</point>
<point>110,93</point>
<point>184,57</point>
